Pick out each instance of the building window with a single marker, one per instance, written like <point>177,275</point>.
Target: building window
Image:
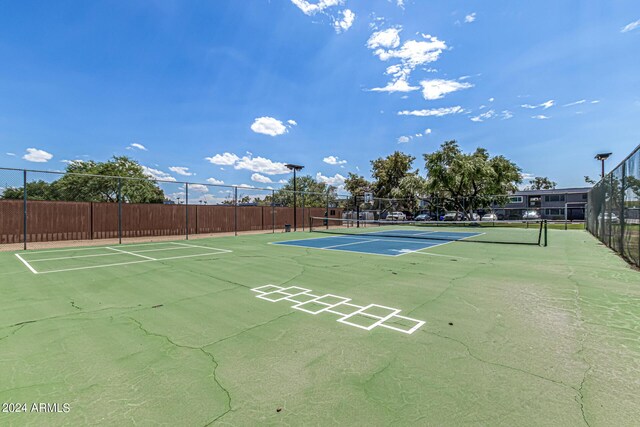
<point>554,198</point>
<point>333,212</point>
<point>515,199</point>
<point>554,211</point>
<point>584,196</point>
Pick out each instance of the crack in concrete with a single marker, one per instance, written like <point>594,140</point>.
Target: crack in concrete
<point>201,349</point>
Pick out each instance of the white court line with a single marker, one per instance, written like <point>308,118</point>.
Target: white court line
<point>27,264</point>
<point>126,263</point>
<point>201,247</point>
<point>134,254</point>
<point>430,254</point>
<point>394,311</point>
<point>352,243</point>
<point>71,257</point>
<point>93,248</point>
<point>323,249</point>
<point>418,324</point>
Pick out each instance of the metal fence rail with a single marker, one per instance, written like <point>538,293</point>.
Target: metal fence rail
<point>39,208</point>
<point>613,210</point>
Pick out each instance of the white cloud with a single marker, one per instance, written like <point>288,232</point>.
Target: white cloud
<point>491,99</point>
<point>484,116</point>
<point>550,103</point>
<point>337,180</point>
<point>157,174</point>
<point>333,160</point>
<point>470,18</point>
<point>427,131</point>
<point>199,188</point>
<point>72,161</point>
<point>261,165</point>
<point>345,22</point>
<point>309,8</point>
<point>404,139</point>
<point>256,177</point>
<point>506,114</point>
<point>180,170</point>
<point>223,159</point>
<point>214,181</point>
<point>437,112</point>
<point>389,38</point>
<point>10,154</point>
<point>540,117</point>
<point>291,122</point>
<point>438,88</point>
<point>268,126</point>
<point>282,181</point>
<point>411,54</point>
<point>630,27</point>
<point>398,85</point>
<point>582,101</point>
<point>244,186</point>
<point>596,101</point>
<point>135,145</point>
<point>37,156</point>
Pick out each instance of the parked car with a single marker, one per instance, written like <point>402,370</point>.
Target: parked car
<point>408,215</point>
<point>422,217</point>
<point>452,216</point>
<point>489,217</point>
<point>609,217</point>
<point>473,216</point>
<point>396,216</point>
<point>531,215</point>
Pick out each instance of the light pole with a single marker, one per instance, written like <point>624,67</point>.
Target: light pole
<point>294,168</point>
<point>602,157</point>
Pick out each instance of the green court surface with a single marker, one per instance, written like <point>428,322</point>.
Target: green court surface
<point>179,335</point>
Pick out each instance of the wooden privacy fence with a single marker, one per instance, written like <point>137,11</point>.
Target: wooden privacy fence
<point>49,221</point>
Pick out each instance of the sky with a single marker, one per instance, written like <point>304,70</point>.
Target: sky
<point>229,91</point>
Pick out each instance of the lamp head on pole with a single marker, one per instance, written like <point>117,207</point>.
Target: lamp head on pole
<point>602,156</point>
<point>294,167</point>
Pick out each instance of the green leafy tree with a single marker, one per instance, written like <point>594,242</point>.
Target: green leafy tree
<point>315,193</point>
<point>389,171</point>
<point>466,182</point>
<point>75,185</point>
<point>36,190</point>
<point>411,188</point>
<point>356,184</point>
<point>541,183</point>
<point>95,182</point>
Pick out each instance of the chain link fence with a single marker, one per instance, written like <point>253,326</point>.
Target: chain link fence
<point>613,211</point>
<point>53,209</point>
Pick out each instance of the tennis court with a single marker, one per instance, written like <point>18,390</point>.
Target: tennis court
<point>252,330</point>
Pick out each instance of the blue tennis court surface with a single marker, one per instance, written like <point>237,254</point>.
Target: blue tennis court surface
<point>382,243</point>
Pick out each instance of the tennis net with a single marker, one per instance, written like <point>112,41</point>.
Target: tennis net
<point>507,232</point>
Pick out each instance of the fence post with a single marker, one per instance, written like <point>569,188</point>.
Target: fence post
<point>235,211</point>
<point>622,194</point>
<point>303,216</point>
<point>273,211</point>
<point>24,209</point>
<point>326,213</point>
<point>119,210</point>
<point>186,206</point>
<point>610,207</point>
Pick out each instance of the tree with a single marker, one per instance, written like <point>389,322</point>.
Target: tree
<point>387,172</point>
<point>92,181</point>
<point>356,184</point>
<point>466,182</point>
<point>588,180</point>
<point>315,193</point>
<point>410,189</point>
<point>541,183</point>
<point>36,190</point>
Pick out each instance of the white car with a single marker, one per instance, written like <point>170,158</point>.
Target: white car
<point>489,217</point>
<point>396,216</point>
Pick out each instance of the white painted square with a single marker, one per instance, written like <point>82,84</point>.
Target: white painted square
<point>266,289</point>
<point>283,293</point>
<point>417,324</point>
<point>392,310</point>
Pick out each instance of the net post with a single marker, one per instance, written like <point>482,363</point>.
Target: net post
<point>119,210</point>
<point>545,233</point>
<point>186,206</point>
<point>24,208</point>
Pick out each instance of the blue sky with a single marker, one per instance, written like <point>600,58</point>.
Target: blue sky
<point>228,91</point>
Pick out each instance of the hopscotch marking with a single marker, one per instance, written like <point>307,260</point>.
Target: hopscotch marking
<point>301,297</point>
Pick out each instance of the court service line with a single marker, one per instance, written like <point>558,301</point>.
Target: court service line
<point>93,248</point>
<point>27,264</point>
<point>352,243</point>
<point>132,253</point>
<point>70,257</point>
<point>124,263</point>
<point>201,247</point>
